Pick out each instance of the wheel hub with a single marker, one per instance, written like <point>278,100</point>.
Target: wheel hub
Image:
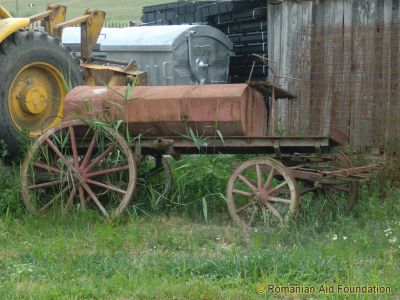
<point>77,177</point>
<point>33,99</point>
<point>263,195</point>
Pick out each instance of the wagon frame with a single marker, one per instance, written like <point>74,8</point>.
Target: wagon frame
<point>315,161</point>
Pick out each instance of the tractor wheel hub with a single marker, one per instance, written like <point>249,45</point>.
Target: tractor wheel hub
<point>33,100</point>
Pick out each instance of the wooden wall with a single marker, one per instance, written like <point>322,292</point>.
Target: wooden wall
<point>341,57</point>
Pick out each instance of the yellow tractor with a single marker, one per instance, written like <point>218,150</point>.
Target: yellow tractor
<point>36,71</point>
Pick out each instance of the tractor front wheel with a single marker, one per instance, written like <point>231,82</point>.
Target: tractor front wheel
<point>36,72</point>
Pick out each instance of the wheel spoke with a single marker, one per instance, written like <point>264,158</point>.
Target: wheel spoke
<point>106,186</point>
<point>274,211</point>
<point>108,171</point>
<point>94,198</point>
<point>244,207</point>
<point>100,157</point>
<point>248,183</point>
<point>252,216</point>
<point>240,192</point>
<point>70,199</point>
<point>57,151</point>
<point>265,213</point>
<point>47,168</point>
<point>88,153</point>
<point>275,199</point>
<point>332,197</point>
<point>269,179</point>
<point>340,189</point>
<point>54,199</point>
<point>259,177</point>
<point>82,197</point>
<point>278,187</point>
<point>73,146</point>
<point>45,184</point>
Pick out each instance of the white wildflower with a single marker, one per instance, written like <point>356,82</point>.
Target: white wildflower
<point>345,238</point>
<point>393,240</point>
<point>23,268</point>
<point>334,237</point>
<point>387,230</point>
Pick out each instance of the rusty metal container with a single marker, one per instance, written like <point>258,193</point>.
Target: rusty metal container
<point>233,109</point>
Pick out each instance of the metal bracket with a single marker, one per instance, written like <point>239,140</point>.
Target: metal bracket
<point>54,15</point>
<point>277,148</point>
<point>138,152</point>
<point>91,24</point>
<point>4,14</point>
<point>166,146</point>
<point>317,146</point>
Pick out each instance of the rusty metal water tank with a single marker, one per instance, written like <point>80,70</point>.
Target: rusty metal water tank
<point>159,111</point>
<point>172,55</point>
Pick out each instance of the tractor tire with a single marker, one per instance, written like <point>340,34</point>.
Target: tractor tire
<point>36,72</point>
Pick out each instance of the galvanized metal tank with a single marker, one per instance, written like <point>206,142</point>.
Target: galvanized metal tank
<point>172,55</point>
<point>160,111</point>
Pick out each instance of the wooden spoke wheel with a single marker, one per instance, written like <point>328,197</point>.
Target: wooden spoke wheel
<point>72,163</point>
<point>261,193</point>
<point>155,180</point>
<point>341,192</point>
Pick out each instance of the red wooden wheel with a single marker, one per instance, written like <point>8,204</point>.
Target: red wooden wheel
<point>261,193</point>
<point>74,163</point>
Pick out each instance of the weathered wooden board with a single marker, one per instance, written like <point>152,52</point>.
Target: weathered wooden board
<point>346,55</point>
<point>392,110</point>
<point>337,40</point>
<point>303,101</point>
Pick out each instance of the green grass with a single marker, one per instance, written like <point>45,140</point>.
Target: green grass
<point>175,254</point>
<point>121,10</point>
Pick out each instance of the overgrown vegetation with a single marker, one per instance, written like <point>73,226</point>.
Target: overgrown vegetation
<point>187,246</point>
<point>181,252</point>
